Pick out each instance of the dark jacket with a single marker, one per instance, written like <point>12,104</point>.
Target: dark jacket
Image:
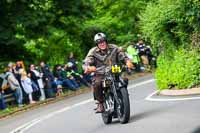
<point>47,73</point>
<point>74,62</point>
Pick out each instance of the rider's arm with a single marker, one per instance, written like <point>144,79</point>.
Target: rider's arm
<point>88,63</point>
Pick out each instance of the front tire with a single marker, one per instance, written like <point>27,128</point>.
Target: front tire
<point>106,116</point>
<point>123,109</point>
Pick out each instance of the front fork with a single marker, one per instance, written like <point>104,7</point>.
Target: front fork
<point>109,104</point>
<point>111,98</point>
<point>110,101</point>
<point>116,87</point>
<point>115,93</point>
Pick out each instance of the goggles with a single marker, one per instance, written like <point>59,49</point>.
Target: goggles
<point>100,41</point>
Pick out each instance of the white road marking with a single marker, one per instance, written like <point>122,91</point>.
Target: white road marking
<point>149,98</point>
<point>30,124</point>
<point>139,84</point>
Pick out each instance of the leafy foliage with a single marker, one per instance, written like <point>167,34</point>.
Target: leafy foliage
<point>174,25</point>
<point>41,28</point>
<point>38,28</point>
<point>171,22</point>
<point>119,19</point>
<point>182,71</point>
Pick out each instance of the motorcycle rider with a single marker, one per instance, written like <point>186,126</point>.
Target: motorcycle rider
<point>102,55</point>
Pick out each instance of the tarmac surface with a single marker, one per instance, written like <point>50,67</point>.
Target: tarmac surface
<point>150,113</point>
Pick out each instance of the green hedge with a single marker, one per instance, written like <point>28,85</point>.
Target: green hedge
<point>181,71</point>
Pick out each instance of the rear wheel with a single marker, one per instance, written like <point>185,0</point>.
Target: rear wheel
<point>123,108</point>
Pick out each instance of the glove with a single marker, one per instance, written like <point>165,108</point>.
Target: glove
<point>90,69</point>
<point>129,64</point>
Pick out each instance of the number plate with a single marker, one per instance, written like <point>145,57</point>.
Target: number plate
<point>116,69</point>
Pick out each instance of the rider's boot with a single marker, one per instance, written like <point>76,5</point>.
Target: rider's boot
<point>100,108</point>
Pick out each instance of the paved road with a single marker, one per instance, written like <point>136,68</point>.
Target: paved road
<point>76,115</point>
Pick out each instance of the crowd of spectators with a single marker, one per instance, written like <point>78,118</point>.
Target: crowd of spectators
<point>37,83</point>
<point>141,55</point>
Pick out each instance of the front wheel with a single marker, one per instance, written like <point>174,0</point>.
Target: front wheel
<point>107,118</point>
<point>123,107</point>
<point>107,114</point>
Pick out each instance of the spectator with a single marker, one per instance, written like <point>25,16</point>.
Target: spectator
<point>14,85</point>
<point>72,59</point>
<point>16,68</point>
<point>36,77</point>
<point>67,75</point>
<point>27,85</point>
<point>78,77</point>
<point>58,80</point>
<point>61,76</point>
<point>72,69</point>
<point>48,79</point>
<point>150,56</point>
<point>2,101</point>
<point>132,53</point>
<point>141,47</point>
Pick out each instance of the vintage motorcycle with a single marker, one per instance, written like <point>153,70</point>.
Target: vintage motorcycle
<point>116,98</point>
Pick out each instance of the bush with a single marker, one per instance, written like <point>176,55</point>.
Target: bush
<point>170,22</point>
<point>181,71</point>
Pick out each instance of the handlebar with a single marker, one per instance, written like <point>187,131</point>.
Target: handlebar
<point>111,68</point>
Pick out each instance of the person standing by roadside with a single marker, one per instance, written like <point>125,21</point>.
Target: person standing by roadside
<point>36,77</point>
<point>141,47</point>
<point>132,53</point>
<point>48,78</point>
<point>16,69</point>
